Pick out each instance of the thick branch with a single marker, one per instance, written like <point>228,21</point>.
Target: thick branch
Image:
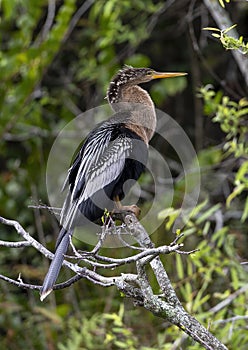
<point>171,309</point>
<point>143,239</point>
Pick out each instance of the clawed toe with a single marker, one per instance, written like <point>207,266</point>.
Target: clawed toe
<point>132,208</point>
<point>124,210</point>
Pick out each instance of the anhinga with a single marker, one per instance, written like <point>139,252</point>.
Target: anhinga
<point>114,152</point>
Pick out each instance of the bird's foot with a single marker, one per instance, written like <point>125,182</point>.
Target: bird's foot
<point>119,213</point>
<point>133,209</point>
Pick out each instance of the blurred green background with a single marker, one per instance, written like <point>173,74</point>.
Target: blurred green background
<point>56,60</point>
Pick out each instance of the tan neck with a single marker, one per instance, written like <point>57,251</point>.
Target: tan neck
<point>143,116</point>
<point>135,94</point>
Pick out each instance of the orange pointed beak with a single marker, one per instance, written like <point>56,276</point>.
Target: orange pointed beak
<point>158,75</point>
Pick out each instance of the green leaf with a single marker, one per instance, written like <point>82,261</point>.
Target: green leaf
<point>170,214</point>
<point>216,35</point>
<point>237,190</point>
<point>9,8</point>
<point>222,3</point>
<point>235,278</point>
<point>138,60</point>
<point>245,211</point>
<point>203,217</point>
<point>211,28</point>
<point>242,174</point>
<point>179,266</point>
<point>169,87</point>
<point>230,28</point>
<point>198,208</point>
<point>198,302</point>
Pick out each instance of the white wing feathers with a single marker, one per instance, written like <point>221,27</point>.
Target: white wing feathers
<point>106,167</point>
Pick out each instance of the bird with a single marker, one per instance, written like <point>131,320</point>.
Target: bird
<point>114,152</point>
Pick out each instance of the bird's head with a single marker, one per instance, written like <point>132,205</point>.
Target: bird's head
<point>129,76</point>
<point>133,76</point>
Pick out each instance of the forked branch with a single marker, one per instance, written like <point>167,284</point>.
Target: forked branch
<point>135,286</point>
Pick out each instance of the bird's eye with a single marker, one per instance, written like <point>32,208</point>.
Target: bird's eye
<point>149,73</point>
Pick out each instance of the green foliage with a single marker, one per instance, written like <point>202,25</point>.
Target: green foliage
<point>223,3</point>
<point>112,23</point>
<point>232,117</point>
<point>34,103</point>
<point>241,186</point>
<point>170,214</point>
<point>211,281</point>
<point>209,276</point>
<point>228,42</point>
<point>100,331</point>
<point>49,74</point>
<point>42,70</point>
<point>167,87</point>
<point>24,59</point>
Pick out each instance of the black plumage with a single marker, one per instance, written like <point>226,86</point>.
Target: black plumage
<point>108,158</point>
<point>114,152</point>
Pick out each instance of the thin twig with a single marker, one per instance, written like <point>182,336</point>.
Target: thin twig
<point>229,299</point>
<point>53,210</point>
<point>76,17</point>
<point>20,284</point>
<point>148,253</point>
<point>232,319</point>
<point>48,23</point>
<point>14,244</point>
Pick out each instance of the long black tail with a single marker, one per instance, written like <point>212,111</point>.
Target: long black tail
<point>54,269</point>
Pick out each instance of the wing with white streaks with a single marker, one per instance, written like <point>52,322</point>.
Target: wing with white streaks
<point>108,167</point>
<point>99,163</point>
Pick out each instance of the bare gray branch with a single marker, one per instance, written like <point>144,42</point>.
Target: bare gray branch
<point>134,286</point>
